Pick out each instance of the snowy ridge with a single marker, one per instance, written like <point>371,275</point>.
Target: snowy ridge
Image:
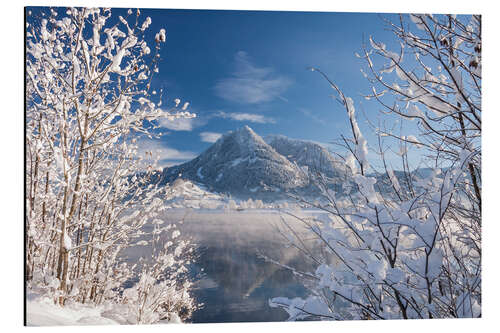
<point>307,154</point>
<point>186,194</point>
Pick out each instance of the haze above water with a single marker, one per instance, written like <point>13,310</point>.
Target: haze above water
<point>236,283</point>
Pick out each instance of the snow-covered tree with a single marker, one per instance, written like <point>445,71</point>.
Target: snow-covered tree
<point>405,244</point>
<point>89,195</point>
<point>162,292</point>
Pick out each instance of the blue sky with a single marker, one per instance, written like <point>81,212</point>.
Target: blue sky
<point>239,68</point>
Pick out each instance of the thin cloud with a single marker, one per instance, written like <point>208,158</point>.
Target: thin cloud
<point>165,155</point>
<point>250,84</point>
<point>251,117</point>
<point>312,116</point>
<point>210,137</point>
<point>179,124</point>
<point>183,124</point>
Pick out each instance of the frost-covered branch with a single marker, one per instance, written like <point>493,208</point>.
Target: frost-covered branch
<point>90,196</point>
<point>406,244</point>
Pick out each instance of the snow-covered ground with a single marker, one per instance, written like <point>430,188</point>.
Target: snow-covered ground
<point>41,311</point>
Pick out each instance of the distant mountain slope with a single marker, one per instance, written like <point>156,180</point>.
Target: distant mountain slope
<point>240,162</point>
<point>307,154</point>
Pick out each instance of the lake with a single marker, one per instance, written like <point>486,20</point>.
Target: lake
<point>236,284</point>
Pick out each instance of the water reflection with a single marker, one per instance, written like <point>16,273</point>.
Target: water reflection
<point>237,283</point>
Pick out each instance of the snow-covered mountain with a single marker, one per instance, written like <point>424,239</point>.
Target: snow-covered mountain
<point>311,155</point>
<point>244,165</point>
<point>240,163</point>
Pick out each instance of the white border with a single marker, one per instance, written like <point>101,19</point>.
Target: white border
<point>11,71</point>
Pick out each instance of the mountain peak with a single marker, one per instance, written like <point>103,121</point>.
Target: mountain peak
<point>246,130</point>
<point>245,136</point>
<point>240,162</point>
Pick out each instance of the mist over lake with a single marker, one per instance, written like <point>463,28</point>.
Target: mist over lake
<point>236,284</point>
